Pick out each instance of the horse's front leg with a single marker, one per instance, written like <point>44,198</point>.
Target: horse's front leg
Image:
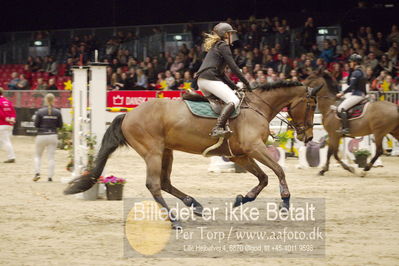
<point>379,151</point>
<point>250,165</point>
<point>327,165</point>
<point>260,154</point>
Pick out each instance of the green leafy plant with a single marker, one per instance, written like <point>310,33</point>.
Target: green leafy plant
<point>362,152</point>
<point>91,152</point>
<point>91,145</point>
<point>65,137</point>
<point>284,137</point>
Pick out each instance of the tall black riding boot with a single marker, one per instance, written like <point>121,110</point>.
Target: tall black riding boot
<point>220,129</point>
<point>345,123</point>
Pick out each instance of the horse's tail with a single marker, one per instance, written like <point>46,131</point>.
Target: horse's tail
<point>113,139</point>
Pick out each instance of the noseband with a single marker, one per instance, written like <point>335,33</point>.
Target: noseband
<point>301,127</point>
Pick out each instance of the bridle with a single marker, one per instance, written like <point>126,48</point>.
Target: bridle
<point>300,127</point>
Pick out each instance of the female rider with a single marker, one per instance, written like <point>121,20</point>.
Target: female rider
<point>211,76</point>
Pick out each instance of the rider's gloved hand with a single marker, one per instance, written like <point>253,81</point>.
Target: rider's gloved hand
<point>339,95</point>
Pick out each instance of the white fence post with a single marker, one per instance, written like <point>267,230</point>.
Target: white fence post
<point>98,100</point>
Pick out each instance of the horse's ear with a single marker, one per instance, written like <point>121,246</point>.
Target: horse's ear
<point>319,72</point>
<point>314,91</point>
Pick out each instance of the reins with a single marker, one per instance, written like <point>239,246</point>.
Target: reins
<point>297,126</point>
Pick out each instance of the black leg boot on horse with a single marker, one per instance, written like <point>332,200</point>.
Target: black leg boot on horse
<point>220,130</point>
<point>345,123</point>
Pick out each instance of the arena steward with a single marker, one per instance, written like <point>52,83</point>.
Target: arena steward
<point>47,120</point>
<point>7,121</point>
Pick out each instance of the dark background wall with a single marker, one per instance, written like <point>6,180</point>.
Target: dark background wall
<point>34,15</point>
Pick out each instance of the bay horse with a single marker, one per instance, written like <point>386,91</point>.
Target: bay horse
<point>157,127</point>
<point>380,118</point>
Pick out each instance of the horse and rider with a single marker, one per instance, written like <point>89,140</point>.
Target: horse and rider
<point>158,127</point>
<point>379,118</point>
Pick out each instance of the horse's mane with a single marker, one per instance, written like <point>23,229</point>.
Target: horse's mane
<point>332,84</point>
<point>279,84</point>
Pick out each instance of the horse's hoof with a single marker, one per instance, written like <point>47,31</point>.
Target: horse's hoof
<point>239,201</point>
<point>285,204</point>
<point>321,173</point>
<point>176,225</point>
<point>198,210</point>
<point>284,208</point>
<point>191,202</point>
<point>362,173</point>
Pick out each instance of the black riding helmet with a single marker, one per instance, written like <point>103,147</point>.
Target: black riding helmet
<point>222,28</point>
<point>355,58</point>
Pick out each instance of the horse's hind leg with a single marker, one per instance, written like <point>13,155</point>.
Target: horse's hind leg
<point>344,165</point>
<point>153,183</point>
<point>166,185</point>
<point>260,154</point>
<point>250,165</point>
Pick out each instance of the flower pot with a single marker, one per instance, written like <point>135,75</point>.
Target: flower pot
<point>274,152</point>
<point>114,192</point>
<point>92,193</point>
<point>361,160</point>
<point>313,154</point>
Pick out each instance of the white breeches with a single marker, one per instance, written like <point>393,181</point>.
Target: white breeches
<point>350,101</point>
<point>50,142</point>
<point>219,89</point>
<point>5,140</point>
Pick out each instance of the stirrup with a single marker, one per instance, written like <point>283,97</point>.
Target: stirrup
<point>219,132</point>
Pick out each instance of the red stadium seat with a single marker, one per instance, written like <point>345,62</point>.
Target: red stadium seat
<point>61,69</point>
<point>60,85</point>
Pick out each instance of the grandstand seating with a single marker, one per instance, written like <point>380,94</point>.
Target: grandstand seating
<point>6,70</point>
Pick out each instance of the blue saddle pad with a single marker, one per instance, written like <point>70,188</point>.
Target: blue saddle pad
<point>203,109</point>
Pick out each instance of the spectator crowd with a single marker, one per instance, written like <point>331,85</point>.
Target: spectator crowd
<point>262,51</point>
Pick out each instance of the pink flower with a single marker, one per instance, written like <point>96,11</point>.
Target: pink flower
<point>112,180</point>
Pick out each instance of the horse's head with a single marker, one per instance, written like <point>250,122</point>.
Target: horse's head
<point>322,78</point>
<point>301,109</point>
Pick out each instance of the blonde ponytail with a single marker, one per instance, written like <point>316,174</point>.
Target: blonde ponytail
<point>210,40</point>
<point>49,100</point>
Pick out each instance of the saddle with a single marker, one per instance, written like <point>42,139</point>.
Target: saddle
<point>356,111</point>
<point>208,107</point>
